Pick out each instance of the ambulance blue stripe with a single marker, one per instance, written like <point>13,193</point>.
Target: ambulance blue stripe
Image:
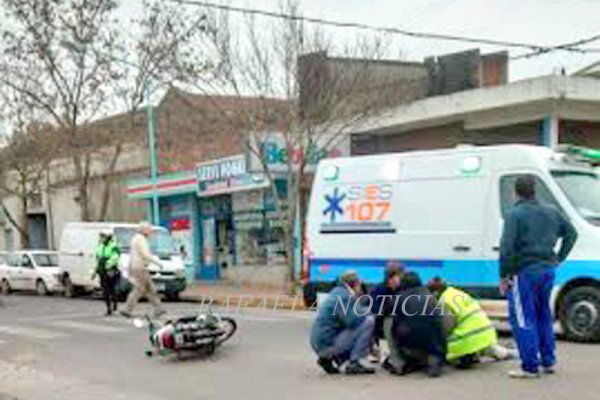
<point>466,273</point>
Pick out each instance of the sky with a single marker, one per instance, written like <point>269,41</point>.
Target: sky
<point>544,22</point>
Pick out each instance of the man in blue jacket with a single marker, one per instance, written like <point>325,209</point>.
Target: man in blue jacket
<point>527,264</point>
<point>343,329</point>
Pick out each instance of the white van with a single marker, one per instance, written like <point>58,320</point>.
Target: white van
<point>78,258</point>
<point>441,213</point>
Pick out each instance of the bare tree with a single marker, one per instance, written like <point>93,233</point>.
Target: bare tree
<point>73,61</point>
<point>165,50</point>
<point>58,56</point>
<point>324,100</point>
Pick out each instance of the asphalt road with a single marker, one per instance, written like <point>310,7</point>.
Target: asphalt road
<point>54,348</point>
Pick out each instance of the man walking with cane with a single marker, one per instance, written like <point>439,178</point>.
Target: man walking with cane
<point>527,264</point>
<point>141,257</point>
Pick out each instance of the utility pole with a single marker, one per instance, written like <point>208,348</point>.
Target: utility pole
<point>153,157</point>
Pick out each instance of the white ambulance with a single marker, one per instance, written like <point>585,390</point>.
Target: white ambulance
<point>77,258</point>
<point>441,213</point>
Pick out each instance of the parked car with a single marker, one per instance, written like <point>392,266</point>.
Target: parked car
<point>78,258</point>
<point>31,270</point>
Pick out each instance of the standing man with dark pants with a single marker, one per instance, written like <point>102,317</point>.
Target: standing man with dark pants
<point>527,264</point>
<point>107,268</point>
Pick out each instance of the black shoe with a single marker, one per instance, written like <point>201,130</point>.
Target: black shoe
<point>328,365</point>
<point>409,368</point>
<point>434,370</point>
<point>125,314</point>
<point>108,313</point>
<point>389,367</point>
<point>356,368</point>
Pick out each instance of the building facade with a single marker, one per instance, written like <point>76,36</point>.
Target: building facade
<point>541,111</point>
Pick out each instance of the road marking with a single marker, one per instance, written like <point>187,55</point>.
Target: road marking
<point>88,327</point>
<point>34,333</point>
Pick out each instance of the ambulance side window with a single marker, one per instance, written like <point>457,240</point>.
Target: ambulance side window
<point>508,197</point>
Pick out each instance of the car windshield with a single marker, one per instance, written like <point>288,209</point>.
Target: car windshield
<point>583,191</point>
<point>46,260</point>
<point>161,242</point>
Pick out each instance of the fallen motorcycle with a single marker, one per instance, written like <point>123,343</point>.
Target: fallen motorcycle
<point>202,333</point>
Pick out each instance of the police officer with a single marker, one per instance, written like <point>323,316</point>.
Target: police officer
<point>527,264</point>
<point>107,268</point>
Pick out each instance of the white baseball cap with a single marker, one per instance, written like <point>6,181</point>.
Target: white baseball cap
<point>106,232</point>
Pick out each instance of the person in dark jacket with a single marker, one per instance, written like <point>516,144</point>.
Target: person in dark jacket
<point>382,299</point>
<point>343,329</point>
<point>527,264</point>
<point>417,328</point>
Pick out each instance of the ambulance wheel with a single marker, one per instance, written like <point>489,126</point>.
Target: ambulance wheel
<point>580,314</point>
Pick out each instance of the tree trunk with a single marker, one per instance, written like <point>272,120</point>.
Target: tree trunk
<point>289,226</point>
<point>107,181</point>
<point>82,176</point>
<point>23,234</point>
<point>50,209</point>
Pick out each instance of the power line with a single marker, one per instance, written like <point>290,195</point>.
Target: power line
<point>535,49</point>
<point>563,46</point>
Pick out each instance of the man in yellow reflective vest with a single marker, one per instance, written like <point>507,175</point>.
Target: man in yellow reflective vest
<point>469,332</point>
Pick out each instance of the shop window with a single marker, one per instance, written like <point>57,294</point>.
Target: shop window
<point>259,240</point>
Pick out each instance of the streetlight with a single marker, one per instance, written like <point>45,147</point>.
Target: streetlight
<point>153,157</point>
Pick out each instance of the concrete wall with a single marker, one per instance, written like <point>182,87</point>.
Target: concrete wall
<point>60,204</point>
<point>258,276</point>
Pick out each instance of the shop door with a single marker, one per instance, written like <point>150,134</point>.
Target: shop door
<point>38,231</point>
<point>209,269</point>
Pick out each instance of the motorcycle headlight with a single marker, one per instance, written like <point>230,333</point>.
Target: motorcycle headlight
<point>201,321</point>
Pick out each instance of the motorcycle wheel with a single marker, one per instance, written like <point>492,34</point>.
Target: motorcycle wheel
<point>229,326</point>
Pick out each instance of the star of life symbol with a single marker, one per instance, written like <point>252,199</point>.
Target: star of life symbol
<point>334,204</point>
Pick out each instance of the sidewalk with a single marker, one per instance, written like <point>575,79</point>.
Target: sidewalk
<point>242,296</point>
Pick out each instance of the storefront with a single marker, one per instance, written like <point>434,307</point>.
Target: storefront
<point>178,212</point>
<point>221,216</point>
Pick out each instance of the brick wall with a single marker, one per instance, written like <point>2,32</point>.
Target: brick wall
<point>580,133</point>
<point>188,134</point>
<point>445,136</point>
<point>195,128</point>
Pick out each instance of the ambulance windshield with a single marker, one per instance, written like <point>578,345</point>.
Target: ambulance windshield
<point>583,191</point>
